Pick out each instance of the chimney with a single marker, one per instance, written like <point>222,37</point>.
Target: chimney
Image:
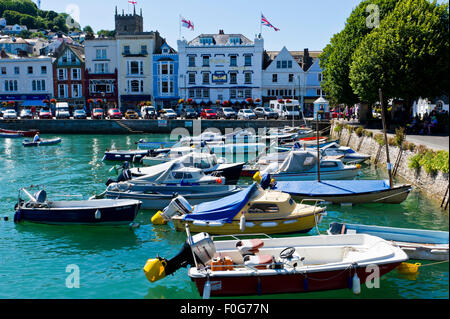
<point>221,32</point>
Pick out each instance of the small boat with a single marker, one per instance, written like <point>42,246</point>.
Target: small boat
<point>124,155</point>
<point>346,154</point>
<point>144,145</point>
<point>416,243</point>
<point>205,161</point>
<point>251,210</point>
<point>11,135</point>
<point>301,165</point>
<point>29,133</point>
<point>345,191</point>
<point>49,142</point>
<point>255,265</point>
<point>39,209</point>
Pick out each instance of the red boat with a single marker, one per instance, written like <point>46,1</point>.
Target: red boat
<point>29,133</point>
<point>280,265</point>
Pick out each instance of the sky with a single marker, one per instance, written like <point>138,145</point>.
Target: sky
<point>302,23</point>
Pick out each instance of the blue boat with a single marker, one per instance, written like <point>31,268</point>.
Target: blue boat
<point>38,209</point>
<point>30,143</point>
<point>345,191</point>
<point>417,243</point>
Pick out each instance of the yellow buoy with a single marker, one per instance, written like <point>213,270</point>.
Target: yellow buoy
<point>154,269</point>
<point>157,219</point>
<point>408,269</point>
<point>257,177</point>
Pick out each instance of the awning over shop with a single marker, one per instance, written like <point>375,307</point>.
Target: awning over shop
<point>33,103</point>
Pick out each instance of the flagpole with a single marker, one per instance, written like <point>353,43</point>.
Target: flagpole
<point>179,21</point>
<point>260,25</point>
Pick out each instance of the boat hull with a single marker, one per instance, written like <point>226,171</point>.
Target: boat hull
<point>124,156</point>
<point>121,215</point>
<point>348,173</point>
<point>22,133</point>
<point>286,283</point>
<point>55,141</point>
<point>267,226</point>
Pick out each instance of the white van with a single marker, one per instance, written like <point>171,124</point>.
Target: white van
<point>62,110</point>
<point>286,109</point>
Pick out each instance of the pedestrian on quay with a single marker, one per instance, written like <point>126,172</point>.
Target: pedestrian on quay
<point>33,111</point>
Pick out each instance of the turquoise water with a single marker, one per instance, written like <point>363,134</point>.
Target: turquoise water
<point>36,260</point>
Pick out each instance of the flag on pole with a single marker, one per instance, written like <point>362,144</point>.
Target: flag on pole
<point>266,22</point>
<point>187,23</point>
<point>132,2</point>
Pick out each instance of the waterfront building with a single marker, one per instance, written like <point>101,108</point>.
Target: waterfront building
<point>14,29</point>
<point>165,77</point>
<point>25,80</point>
<point>101,71</point>
<point>313,88</point>
<point>13,45</point>
<point>220,67</point>
<point>68,75</point>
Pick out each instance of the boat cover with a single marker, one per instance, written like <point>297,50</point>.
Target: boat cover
<point>223,209</point>
<point>331,187</point>
<point>298,161</point>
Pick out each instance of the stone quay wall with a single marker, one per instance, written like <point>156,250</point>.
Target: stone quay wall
<point>433,186</point>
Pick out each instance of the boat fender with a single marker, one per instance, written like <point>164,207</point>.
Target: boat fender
<point>356,284</point>
<point>242,223</point>
<point>155,269</point>
<point>98,214</point>
<point>207,289</point>
<point>157,219</point>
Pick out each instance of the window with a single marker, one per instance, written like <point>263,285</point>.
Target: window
<point>3,70</point>
<point>240,94</point>
<point>191,93</point>
<point>291,77</point>
<point>248,60</point>
<point>11,85</point>
<point>191,78</point>
<point>126,49</point>
<point>30,70</point>
<point>62,90</point>
<point>206,93</point>
<point>191,61</point>
<point>101,67</point>
<point>319,77</point>
<point>206,78</point>
<point>76,90</point>
<point>62,74</point>
<point>328,164</point>
<point>283,64</point>
<point>248,93</point>
<point>206,61</point>
<point>38,85</point>
<point>136,67</point>
<point>233,60</point>
<point>278,64</point>
<point>135,86</point>
<point>235,40</point>
<point>164,87</point>
<point>206,41</point>
<point>164,68</point>
<point>289,64</point>
<point>263,208</point>
<point>274,78</point>
<point>100,54</point>
<point>144,49</point>
<point>76,74</point>
<point>16,70</point>
<point>233,78</point>
<point>232,93</point>
<point>248,77</point>
<point>43,69</point>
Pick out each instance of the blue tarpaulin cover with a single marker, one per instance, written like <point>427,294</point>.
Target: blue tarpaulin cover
<point>33,103</point>
<point>338,187</point>
<point>223,209</point>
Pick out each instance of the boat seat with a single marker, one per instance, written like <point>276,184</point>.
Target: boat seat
<point>249,246</point>
<point>41,196</point>
<point>258,261</point>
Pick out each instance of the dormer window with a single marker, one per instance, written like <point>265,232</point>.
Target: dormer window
<point>235,40</point>
<point>206,41</point>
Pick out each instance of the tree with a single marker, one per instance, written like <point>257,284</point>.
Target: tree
<point>407,56</point>
<point>87,29</point>
<point>336,58</point>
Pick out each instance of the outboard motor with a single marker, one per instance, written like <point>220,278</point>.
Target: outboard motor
<point>201,248</point>
<point>178,205</point>
<point>125,175</point>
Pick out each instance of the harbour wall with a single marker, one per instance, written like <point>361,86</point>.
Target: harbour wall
<point>192,127</point>
<point>433,186</point>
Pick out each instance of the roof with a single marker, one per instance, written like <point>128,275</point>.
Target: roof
<point>13,40</point>
<point>221,39</point>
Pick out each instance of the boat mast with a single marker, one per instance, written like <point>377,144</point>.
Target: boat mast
<point>385,139</point>
<point>318,149</point>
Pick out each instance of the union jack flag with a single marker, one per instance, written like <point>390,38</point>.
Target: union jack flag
<point>266,22</point>
<point>187,23</point>
<point>132,2</point>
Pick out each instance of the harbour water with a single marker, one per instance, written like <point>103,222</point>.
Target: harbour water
<point>37,260</point>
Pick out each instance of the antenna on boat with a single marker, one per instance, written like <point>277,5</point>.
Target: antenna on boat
<point>383,117</point>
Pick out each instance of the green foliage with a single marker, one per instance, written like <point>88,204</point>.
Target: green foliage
<point>431,161</point>
<point>379,138</point>
<point>399,136</point>
<point>392,56</point>
<point>338,128</point>
<point>368,133</point>
<point>106,33</point>
<point>359,131</point>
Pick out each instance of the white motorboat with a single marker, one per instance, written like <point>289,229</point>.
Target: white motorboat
<point>344,153</point>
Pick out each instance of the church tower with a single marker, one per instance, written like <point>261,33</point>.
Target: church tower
<point>129,23</point>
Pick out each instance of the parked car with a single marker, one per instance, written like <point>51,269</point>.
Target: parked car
<point>226,113</point>
<point>26,114</point>
<point>9,114</point>
<point>45,113</point>
<point>208,114</point>
<point>80,114</point>
<point>246,114</point>
<point>97,114</point>
<point>168,114</point>
<point>148,112</point>
<point>189,113</point>
<point>62,110</point>
<point>131,114</point>
<point>114,114</point>
<point>265,112</point>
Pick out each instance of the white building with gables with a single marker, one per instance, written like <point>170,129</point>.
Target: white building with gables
<point>224,67</point>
